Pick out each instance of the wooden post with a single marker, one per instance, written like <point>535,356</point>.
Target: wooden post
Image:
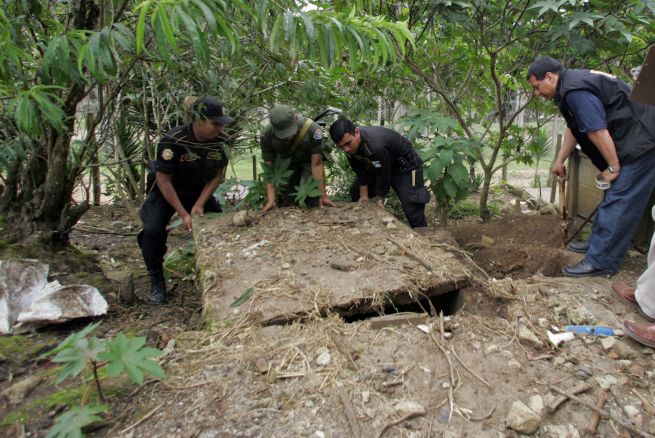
<point>552,182</point>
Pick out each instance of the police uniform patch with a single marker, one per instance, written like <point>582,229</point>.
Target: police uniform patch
<point>214,155</point>
<point>376,164</point>
<point>318,134</point>
<point>167,154</point>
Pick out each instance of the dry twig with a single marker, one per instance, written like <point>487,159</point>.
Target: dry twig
<point>468,369</point>
<point>144,418</point>
<point>603,413</point>
<point>398,421</point>
<point>350,415</point>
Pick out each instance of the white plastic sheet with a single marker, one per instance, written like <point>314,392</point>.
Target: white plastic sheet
<point>28,300</point>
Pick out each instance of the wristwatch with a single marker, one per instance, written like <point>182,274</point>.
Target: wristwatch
<point>611,169</point>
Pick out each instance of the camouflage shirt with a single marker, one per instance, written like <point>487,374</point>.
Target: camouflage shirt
<point>311,143</point>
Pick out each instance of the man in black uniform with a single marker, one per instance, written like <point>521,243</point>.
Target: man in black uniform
<point>190,164</point>
<point>382,158</point>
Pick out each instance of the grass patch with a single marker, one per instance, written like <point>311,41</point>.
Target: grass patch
<point>468,208</point>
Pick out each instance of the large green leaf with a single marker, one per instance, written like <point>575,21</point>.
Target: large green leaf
<point>131,357</point>
<point>70,423</point>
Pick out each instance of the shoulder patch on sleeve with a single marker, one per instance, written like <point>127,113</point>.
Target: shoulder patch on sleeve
<point>318,134</point>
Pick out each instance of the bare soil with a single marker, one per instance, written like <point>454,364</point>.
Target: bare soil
<point>324,377</point>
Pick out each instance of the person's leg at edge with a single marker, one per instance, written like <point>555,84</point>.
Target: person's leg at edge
<point>619,213</point>
<point>155,214</point>
<point>645,293</point>
<point>412,198</point>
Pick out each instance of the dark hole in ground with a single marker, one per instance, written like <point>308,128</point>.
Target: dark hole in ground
<point>448,303</point>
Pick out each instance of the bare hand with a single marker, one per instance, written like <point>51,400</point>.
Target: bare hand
<point>325,201</point>
<point>268,206</point>
<point>198,210</point>
<point>186,220</point>
<point>558,169</point>
<point>605,175</point>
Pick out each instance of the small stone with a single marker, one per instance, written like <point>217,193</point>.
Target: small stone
<point>560,431</point>
<point>559,361</point>
<point>444,413</point>
<point>631,412</point>
<point>286,266</point>
<point>493,348</point>
<point>506,353</point>
<point>637,371</point>
<point>651,426</point>
<point>392,226</point>
<point>607,343</point>
<point>536,403</point>
<point>486,241</point>
<point>580,316</point>
<point>585,371</point>
<point>323,359</point>
<point>623,350</point>
<point>522,419</point>
<point>525,334</point>
<point>445,385</point>
<point>387,219</point>
<point>366,396</point>
<point>409,407</point>
<point>606,381</point>
<point>318,434</point>
<point>17,392</point>
<point>514,364</point>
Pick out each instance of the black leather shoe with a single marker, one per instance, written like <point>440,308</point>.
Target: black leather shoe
<point>157,295</point>
<point>578,246</point>
<point>584,269</point>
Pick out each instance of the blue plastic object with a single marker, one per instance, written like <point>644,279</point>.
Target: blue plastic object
<point>590,330</point>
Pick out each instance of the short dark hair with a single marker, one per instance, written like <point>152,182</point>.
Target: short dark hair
<point>543,65</point>
<point>340,128</point>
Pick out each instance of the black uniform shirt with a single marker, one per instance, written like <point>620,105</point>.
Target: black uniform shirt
<point>381,153</point>
<point>191,163</point>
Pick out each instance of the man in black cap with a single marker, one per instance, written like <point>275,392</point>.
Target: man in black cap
<point>382,158</point>
<point>290,135</point>
<point>191,162</point>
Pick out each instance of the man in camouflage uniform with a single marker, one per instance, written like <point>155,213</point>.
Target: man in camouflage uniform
<point>291,135</point>
<point>191,162</point>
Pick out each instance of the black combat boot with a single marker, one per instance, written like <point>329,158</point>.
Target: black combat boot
<point>157,287</point>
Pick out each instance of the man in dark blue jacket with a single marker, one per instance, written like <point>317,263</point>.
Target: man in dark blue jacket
<point>618,135</point>
<point>382,159</point>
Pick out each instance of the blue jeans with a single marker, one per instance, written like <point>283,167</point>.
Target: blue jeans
<point>619,213</point>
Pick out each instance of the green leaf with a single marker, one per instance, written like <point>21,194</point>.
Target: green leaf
<point>129,355</point>
<point>308,188</point>
<point>141,24</point>
<point>243,297</point>
<point>80,353</point>
<point>70,423</point>
<point>68,342</point>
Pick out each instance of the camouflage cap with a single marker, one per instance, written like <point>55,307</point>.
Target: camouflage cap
<point>283,120</point>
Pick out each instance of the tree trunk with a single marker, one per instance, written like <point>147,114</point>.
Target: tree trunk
<point>485,213</point>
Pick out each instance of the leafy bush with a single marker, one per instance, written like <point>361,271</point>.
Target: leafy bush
<point>308,188</point>
<point>181,262</point>
<point>120,355</point>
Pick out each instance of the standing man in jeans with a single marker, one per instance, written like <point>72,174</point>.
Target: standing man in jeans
<point>382,159</point>
<point>618,135</point>
<point>191,162</point>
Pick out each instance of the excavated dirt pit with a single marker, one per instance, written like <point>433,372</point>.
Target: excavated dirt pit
<point>515,246</point>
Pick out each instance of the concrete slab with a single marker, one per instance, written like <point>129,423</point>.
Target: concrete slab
<point>293,263</point>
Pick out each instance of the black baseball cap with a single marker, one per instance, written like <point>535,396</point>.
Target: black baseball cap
<point>212,109</point>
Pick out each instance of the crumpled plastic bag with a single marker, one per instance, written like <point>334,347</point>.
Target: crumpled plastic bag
<point>28,300</point>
